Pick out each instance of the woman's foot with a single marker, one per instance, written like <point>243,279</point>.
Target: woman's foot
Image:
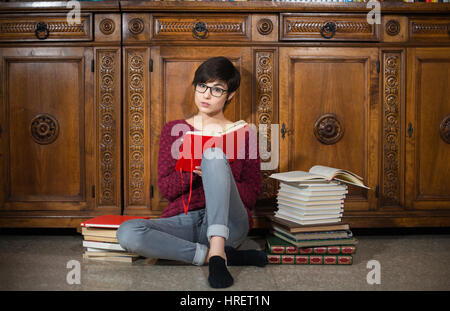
<point>219,276</point>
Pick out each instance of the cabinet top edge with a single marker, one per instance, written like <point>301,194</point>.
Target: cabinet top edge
<point>216,6</point>
<point>280,7</point>
<point>58,6</point>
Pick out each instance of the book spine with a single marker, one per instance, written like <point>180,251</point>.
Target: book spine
<point>319,250</point>
<point>310,259</point>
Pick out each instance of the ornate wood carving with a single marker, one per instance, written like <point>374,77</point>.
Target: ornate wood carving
<point>136,26</point>
<point>136,117</point>
<point>391,128</point>
<point>429,29</point>
<point>107,26</point>
<point>44,129</point>
<point>349,27</point>
<point>232,27</point>
<point>444,129</point>
<point>264,26</point>
<point>265,108</point>
<point>392,27</point>
<point>304,27</point>
<point>328,130</point>
<point>24,27</point>
<point>107,77</point>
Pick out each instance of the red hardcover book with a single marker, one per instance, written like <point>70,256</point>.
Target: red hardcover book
<point>278,246</point>
<point>310,259</point>
<point>108,221</point>
<point>196,142</point>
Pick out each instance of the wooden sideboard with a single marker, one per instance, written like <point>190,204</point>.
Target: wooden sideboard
<point>82,104</point>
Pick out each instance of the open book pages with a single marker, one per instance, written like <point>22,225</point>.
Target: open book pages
<point>322,174</point>
<point>330,172</point>
<point>297,176</point>
<point>315,186</point>
<point>220,131</point>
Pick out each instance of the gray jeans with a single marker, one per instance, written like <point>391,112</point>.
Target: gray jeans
<point>186,237</point>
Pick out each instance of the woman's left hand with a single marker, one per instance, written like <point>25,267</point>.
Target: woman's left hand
<point>198,171</point>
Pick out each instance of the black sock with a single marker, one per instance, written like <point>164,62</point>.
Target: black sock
<point>250,257</point>
<point>219,277</point>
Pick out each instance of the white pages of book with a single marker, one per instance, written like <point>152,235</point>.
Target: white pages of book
<point>216,130</point>
<point>330,172</point>
<point>293,176</point>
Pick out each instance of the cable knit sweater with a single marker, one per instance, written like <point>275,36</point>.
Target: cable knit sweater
<point>246,172</point>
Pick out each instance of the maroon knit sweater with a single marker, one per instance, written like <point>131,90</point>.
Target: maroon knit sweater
<point>246,172</point>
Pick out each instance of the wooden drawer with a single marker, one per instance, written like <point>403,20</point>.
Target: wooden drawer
<point>327,27</point>
<point>201,27</point>
<point>45,27</point>
<point>429,29</point>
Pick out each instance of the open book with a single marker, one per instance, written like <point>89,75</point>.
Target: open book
<point>196,142</point>
<point>320,173</point>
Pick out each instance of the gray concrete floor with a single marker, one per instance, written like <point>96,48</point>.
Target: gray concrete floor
<point>37,261</point>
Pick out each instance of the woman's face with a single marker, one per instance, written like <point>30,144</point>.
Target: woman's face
<point>210,97</point>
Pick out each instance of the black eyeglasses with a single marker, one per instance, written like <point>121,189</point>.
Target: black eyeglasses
<point>214,90</point>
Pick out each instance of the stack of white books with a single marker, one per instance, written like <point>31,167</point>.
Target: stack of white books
<point>314,197</point>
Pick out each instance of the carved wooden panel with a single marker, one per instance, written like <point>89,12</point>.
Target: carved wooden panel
<point>136,128</point>
<point>201,27</point>
<point>108,27</point>
<point>392,174</point>
<point>108,79</point>
<point>429,29</point>
<point>266,107</point>
<point>394,28</point>
<point>265,27</point>
<point>331,27</point>
<point>428,105</point>
<point>48,136</point>
<point>135,27</point>
<point>55,27</point>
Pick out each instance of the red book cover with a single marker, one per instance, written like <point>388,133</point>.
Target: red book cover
<point>276,245</point>
<point>108,221</point>
<point>309,259</point>
<point>196,142</point>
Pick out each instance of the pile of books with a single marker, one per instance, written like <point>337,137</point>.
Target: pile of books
<point>321,244</point>
<point>307,227</point>
<point>100,241</point>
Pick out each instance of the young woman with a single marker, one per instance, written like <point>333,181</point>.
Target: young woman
<point>219,217</point>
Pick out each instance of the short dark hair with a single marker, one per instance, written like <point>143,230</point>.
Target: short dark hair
<point>218,68</point>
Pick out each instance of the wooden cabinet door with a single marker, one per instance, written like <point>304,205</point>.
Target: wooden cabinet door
<point>428,129</point>
<point>172,97</point>
<point>329,109</point>
<point>47,117</point>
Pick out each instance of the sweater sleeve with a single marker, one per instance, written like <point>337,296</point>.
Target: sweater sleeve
<point>250,184</point>
<point>169,180</point>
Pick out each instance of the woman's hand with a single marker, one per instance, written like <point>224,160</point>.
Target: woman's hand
<point>198,171</point>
